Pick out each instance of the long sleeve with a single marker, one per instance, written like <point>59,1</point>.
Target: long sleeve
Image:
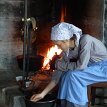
<point>90,50</point>
<point>83,55</point>
<point>56,76</point>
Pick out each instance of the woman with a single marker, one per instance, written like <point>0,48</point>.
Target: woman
<point>83,62</point>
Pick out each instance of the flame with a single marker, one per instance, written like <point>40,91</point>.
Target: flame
<point>63,13</point>
<point>51,52</point>
<point>54,49</point>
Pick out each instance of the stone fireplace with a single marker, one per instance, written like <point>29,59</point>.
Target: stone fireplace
<point>86,14</point>
<point>89,15</point>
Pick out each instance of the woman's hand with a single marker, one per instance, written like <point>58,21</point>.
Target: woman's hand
<point>49,87</point>
<point>37,97</point>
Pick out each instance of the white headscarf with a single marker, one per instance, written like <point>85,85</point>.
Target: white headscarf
<point>64,31</point>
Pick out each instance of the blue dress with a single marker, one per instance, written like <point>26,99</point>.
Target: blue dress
<point>73,84</point>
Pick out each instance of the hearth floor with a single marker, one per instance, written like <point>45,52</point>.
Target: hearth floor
<point>42,77</point>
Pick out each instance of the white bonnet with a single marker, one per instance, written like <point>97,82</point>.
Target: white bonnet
<point>64,31</point>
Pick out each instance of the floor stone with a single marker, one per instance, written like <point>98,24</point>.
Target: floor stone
<point>10,83</point>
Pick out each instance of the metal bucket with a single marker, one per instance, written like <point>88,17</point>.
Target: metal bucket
<point>48,101</point>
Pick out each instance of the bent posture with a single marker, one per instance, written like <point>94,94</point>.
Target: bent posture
<point>83,62</point>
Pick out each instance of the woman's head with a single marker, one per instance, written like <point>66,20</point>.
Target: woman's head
<point>63,34</point>
<point>65,44</point>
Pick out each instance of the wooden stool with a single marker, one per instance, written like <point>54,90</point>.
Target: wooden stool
<point>92,92</point>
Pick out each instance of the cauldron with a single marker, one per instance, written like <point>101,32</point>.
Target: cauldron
<point>35,62</point>
<point>48,101</point>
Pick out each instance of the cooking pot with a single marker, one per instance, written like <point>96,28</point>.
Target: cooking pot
<point>48,101</point>
<point>35,62</point>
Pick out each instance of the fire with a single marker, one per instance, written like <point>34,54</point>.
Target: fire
<point>63,13</point>
<point>54,49</point>
<point>51,52</point>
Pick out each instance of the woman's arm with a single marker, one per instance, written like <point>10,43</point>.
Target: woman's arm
<point>49,87</point>
<point>83,57</point>
<point>54,81</point>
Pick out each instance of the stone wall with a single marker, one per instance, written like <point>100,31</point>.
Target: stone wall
<point>11,40</point>
<point>88,16</point>
<point>11,12</point>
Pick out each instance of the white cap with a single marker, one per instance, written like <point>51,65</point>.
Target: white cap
<point>65,31</point>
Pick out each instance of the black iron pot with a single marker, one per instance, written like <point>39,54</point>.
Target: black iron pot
<point>35,62</point>
<point>48,101</point>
